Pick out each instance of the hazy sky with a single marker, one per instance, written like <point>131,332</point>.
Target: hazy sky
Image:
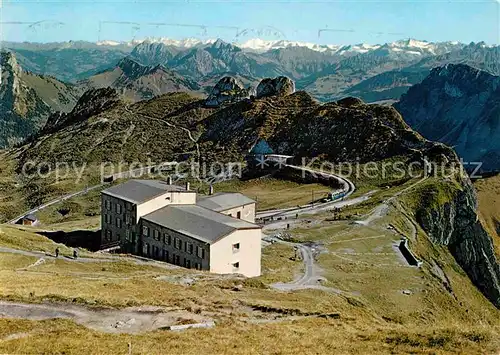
<point>345,21</point>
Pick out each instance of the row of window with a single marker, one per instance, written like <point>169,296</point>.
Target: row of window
<point>109,220</point>
<point>118,207</point>
<point>129,237</point>
<point>162,254</point>
<point>178,243</point>
<point>118,221</point>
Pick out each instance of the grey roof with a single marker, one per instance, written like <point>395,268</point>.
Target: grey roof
<point>197,222</point>
<point>223,201</point>
<point>31,217</point>
<point>139,191</point>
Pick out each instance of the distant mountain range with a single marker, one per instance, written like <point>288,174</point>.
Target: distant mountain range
<point>328,72</point>
<point>143,69</point>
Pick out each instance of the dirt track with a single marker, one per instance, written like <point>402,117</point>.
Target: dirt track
<point>129,320</point>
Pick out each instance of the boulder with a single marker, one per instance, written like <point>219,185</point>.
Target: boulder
<point>228,89</point>
<point>280,86</point>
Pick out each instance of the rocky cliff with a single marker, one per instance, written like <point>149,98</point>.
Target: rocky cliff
<point>459,106</point>
<point>448,213</point>
<point>228,89</point>
<point>275,87</point>
<point>26,100</point>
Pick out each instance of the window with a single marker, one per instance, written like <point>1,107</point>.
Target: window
<point>236,266</point>
<point>130,220</point>
<point>238,214</point>
<point>177,259</point>
<point>127,235</point>
<point>118,222</point>
<point>165,255</point>
<point>107,203</point>
<point>197,266</point>
<point>118,208</point>
<point>108,235</point>
<point>129,206</point>
<point>200,252</point>
<point>187,263</point>
<point>156,234</point>
<point>178,243</point>
<point>189,248</point>
<point>236,247</point>
<point>156,251</point>
<point>166,239</point>
<point>145,231</point>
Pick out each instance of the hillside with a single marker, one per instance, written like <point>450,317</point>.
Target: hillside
<point>295,124</point>
<point>26,100</point>
<point>488,192</point>
<point>138,82</point>
<point>459,106</point>
<point>103,128</point>
<point>111,130</point>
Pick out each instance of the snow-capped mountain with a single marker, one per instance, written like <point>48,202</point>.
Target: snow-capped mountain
<point>260,45</point>
<point>182,43</point>
<point>422,48</point>
<point>410,47</point>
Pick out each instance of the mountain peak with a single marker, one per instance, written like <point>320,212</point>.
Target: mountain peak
<point>8,60</point>
<point>220,44</point>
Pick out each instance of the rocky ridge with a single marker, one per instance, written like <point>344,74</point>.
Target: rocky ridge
<point>26,100</point>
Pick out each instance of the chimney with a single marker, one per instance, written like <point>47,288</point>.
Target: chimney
<point>211,190</point>
<point>169,180</point>
<point>187,186</point>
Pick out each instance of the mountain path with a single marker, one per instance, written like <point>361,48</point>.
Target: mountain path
<point>188,132</point>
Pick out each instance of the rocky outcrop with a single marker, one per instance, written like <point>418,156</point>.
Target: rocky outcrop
<point>227,90</point>
<point>454,223</point>
<point>26,100</point>
<point>91,103</point>
<point>280,86</point>
<point>459,106</point>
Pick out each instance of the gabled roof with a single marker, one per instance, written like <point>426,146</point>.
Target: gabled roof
<point>261,147</point>
<point>197,222</point>
<point>30,217</point>
<point>139,191</point>
<point>223,201</point>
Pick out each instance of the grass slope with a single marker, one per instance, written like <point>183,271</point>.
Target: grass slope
<point>488,192</point>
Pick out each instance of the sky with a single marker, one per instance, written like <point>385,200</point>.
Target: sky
<point>323,22</point>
